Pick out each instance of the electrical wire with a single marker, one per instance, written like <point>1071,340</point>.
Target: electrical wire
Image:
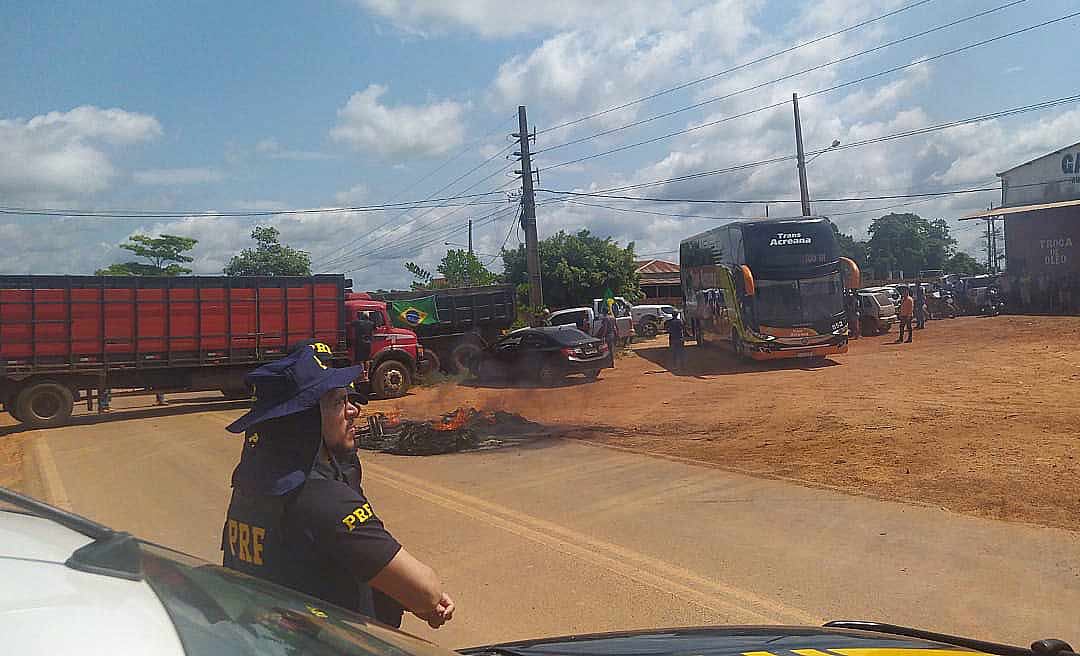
<point>859,80</point>
<point>105,214</point>
<point>898,135</point>
<point>356,240</point>
<point>782,78</point>
<point>733,69</point>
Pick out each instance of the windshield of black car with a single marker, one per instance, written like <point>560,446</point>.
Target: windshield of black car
<point>788,302</point>
<point>217,611</point>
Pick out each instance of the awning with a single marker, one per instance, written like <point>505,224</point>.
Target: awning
<point>1001,211</point>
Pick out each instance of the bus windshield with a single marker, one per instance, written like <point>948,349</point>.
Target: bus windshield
<point>799,301</point>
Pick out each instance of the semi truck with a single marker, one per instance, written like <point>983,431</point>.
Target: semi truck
<point>467,320</point>
<point>71,339</point>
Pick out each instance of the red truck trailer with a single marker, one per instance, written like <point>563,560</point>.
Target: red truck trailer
<point>65,339</point>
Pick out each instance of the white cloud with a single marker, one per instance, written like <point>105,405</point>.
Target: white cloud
<point>271,148</point>
<point>355,195</point>
<point>172,177</point>
<point>497,18</point>
<point>61,154</point>
<point>402,130</point>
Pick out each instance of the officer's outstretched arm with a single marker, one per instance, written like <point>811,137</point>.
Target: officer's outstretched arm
<point>416,587</point>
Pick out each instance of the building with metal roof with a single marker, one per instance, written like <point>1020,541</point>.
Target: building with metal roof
<point>1040,205</point>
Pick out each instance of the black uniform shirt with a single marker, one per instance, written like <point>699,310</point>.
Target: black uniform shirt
<point>340,520</point>
<point>322,538</point>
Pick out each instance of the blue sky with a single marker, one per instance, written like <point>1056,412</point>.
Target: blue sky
<point>207,107</point>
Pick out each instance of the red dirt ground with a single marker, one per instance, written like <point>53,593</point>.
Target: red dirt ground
<point>978,415</point>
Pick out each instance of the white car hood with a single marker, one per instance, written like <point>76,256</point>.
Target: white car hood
<point>34,538</point>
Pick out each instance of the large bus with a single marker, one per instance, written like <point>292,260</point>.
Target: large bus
<point>774,287</point>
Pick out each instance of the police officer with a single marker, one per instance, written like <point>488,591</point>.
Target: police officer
<point>298,514</point>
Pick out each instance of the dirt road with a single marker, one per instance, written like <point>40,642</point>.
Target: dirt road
<point>978,415</point>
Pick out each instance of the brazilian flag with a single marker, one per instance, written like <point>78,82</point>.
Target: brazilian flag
<point>414,312</point>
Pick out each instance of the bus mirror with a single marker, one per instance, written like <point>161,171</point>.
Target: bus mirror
<point>852,276</point>
<point>748,280</point>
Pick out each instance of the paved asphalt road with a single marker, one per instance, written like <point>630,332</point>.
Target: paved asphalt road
<point>558,536</point>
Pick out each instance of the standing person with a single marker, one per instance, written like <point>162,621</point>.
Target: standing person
<point>851,309</point>
<point>295,518</point>
<point>920,307</point>
<point>610,332</point>
<point>907,310</point>
<point>675,331</point>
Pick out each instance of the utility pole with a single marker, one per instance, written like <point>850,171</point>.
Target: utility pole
<point>528,211</point>
<point>989,250</point>
<point>470,236</point>
<point>993,243</point>
<point>804,193</point>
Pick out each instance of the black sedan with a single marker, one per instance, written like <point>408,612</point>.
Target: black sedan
<point>545,355</point>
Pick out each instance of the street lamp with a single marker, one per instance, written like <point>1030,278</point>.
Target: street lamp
<point>835,143</point>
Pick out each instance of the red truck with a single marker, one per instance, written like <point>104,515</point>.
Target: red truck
<point>65,339</point>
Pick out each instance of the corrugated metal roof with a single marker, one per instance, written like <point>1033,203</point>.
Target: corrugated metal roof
<point>1032,161</point>
<point>660,281</point>
<point>1001,211</point>
<point>656,266</point>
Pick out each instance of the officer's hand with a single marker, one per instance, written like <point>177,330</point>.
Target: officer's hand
<point>443,612</point>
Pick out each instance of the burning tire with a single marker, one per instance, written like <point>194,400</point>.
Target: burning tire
<point>391,380</point>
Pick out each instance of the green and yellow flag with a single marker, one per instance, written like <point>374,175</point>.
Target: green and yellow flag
<point>414,312</point>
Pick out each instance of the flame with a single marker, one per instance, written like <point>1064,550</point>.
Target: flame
<point>455,420</point>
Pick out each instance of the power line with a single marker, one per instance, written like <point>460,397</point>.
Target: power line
<point>898,135</point>
<point>859,80</point>
<point>490,218</point>
<point>782,78</point>
<point>356,240</point>
<point>431,203</point>
<point>513,224</point>
<point>349,257</point>
<point>738,67</point>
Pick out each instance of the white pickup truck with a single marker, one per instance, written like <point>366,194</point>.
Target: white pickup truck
<point>651,319</point>
<point>588,319</point>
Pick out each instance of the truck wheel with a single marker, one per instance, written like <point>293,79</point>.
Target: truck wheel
<point>44,405</point>
<point>462,356</point>
<point>434,364</point>
<point>391,380</point>
<point>647,329</point>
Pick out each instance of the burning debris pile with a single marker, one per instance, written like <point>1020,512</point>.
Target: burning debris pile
<point>460,430</point>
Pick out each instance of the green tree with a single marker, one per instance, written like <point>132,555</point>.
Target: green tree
<point>422,276</point>
<point>908,243</point>
<point>963,264</point>
<point>576,268</point>
<point>164,254</point>
<point>463,269</point>
<point>269,257</point>
<point>850,247</point>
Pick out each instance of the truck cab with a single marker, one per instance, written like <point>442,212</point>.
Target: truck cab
<point>396,358</point>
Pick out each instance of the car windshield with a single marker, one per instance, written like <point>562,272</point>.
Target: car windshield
<point>219,612</point>
<point>789,302</point>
